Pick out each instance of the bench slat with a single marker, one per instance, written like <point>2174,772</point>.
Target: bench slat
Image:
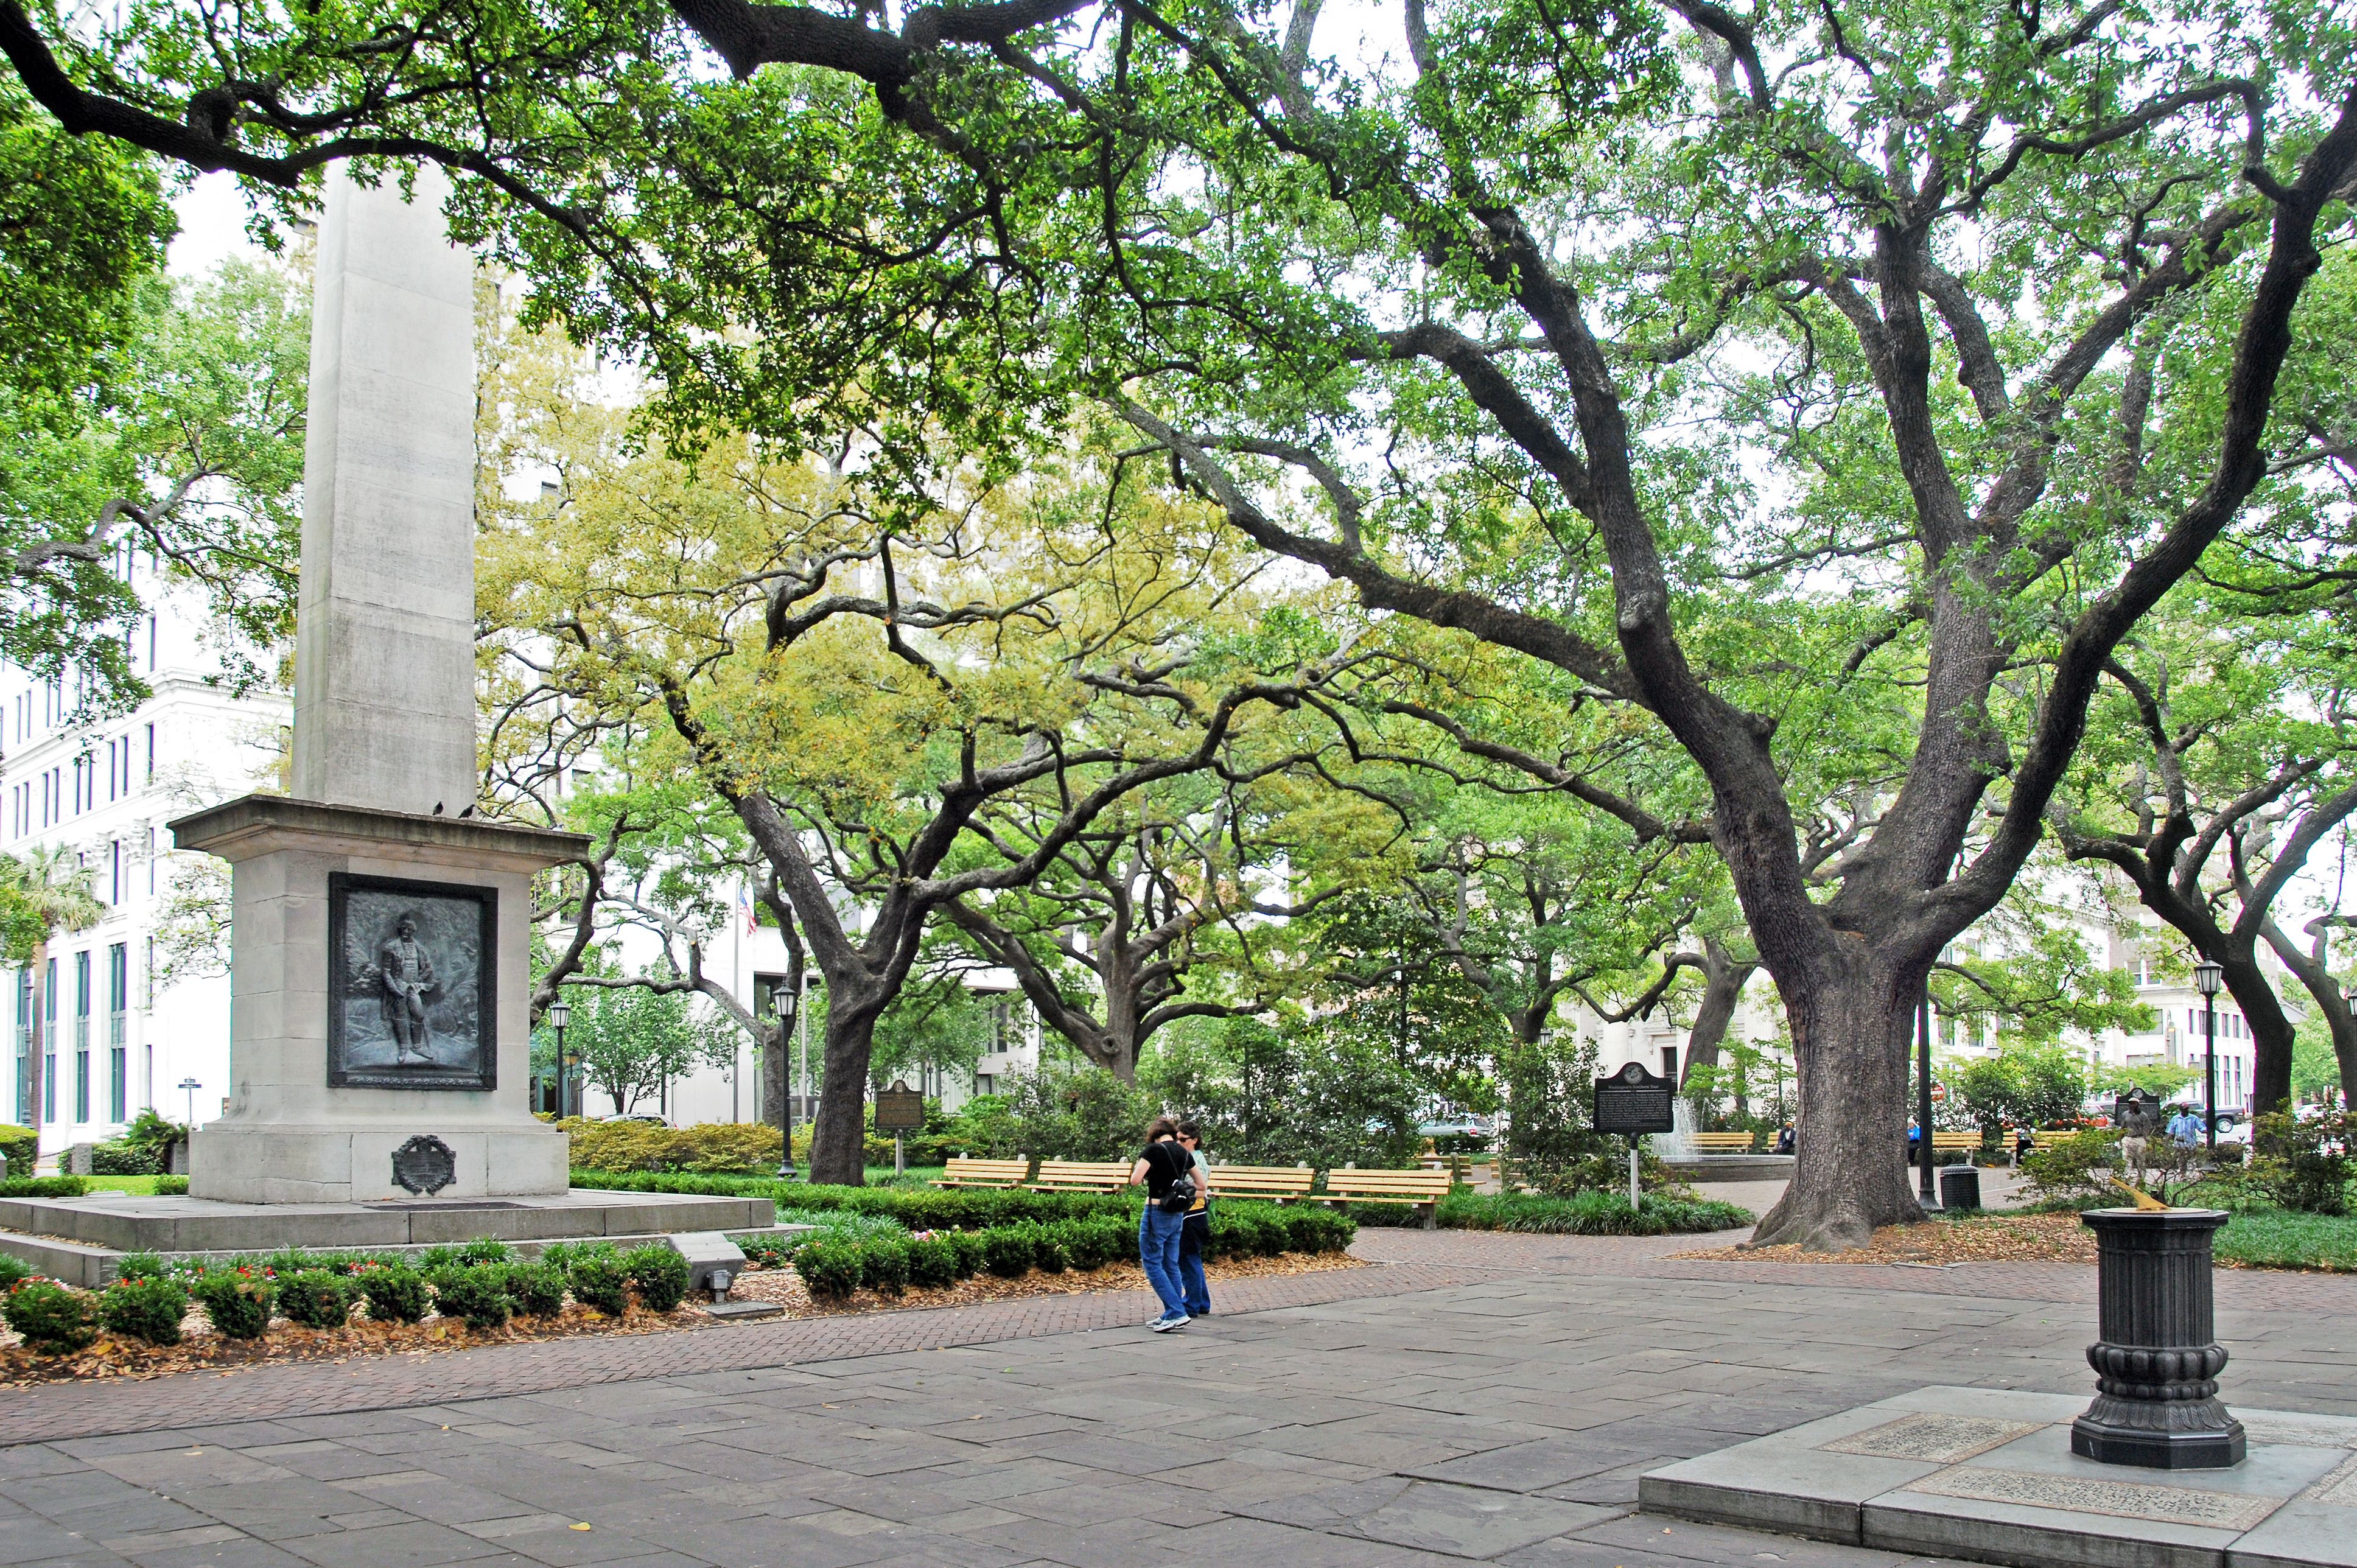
<point>963,1172</point>
<point>1089,1175</point>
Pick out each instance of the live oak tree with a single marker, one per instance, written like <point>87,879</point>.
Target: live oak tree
<point>2218,763</point>
<point>875,694</point>
<point>1726,362</point>
<point>1173,905</point>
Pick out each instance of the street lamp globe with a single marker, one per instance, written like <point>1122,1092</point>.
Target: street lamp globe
<point>2208,978</point>
<point>560,1013</point>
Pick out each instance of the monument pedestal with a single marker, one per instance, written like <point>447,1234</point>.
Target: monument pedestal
<point>322,1100</point>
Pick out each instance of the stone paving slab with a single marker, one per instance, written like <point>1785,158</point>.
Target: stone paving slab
<point>1451,1407</point>
<point>1989,1475</point>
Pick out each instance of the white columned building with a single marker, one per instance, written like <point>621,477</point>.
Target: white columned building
<point>119,1037</point>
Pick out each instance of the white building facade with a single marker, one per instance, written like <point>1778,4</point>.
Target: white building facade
<point>113,1037</point>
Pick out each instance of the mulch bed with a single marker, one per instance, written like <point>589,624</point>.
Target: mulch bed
<point>1987,1239</point>
<point>203,1350</point>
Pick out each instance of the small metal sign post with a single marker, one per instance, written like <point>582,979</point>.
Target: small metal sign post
<point>899,1110</point>
<point>1634,1103</point>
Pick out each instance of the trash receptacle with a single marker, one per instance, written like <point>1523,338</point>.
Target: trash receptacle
<point>1959,1186</point>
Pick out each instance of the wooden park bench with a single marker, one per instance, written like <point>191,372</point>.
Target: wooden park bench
<point>1722,1142</point>
<point>2047,1137</point>
<point>963,1172</point>
<point>1280,1183</point>
<point>1950,1142</point>
<point>1081,1176</point>
<point>1424,1190</point>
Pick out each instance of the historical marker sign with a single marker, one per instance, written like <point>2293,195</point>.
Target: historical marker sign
<point>1634,1101</point>
<point>899,1108</point>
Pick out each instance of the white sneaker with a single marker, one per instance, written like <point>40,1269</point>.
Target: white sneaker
<point>1165,1324</point>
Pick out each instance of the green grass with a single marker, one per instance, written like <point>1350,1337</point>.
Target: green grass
<point>2275,1239</point>
<point>143,1186</point>
<point>1587,1214</point>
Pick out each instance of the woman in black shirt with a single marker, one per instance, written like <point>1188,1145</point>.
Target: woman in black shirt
<point>1161,1164</point>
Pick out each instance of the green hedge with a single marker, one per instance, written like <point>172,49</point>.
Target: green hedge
<point>44,1186</point>
<point>1587,1214</point>
<point>835,1265</point>
<point>918,1209</point>
<point>21,1145</point>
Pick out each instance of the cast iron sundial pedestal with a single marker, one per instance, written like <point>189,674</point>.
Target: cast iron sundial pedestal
<point>2157,1362</point>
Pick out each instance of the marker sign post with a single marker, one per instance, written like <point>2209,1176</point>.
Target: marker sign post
<point>1634,1103</point>
<point>899,1110</point>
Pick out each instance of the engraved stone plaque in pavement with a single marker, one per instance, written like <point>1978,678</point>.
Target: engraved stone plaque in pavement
<point>2121,1500</point>
<point>1940,1439</point>
<point>2338,1488</point>
<point>1988,1473</point>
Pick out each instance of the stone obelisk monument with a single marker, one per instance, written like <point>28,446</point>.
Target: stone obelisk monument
<point>379,1037</point>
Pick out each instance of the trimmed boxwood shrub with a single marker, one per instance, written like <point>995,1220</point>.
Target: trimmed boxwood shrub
<point>119,1158</point>
<point>395,1293</point>
<point>970,1248</point>
<point>830,1270</point>
<point>475,1291</point>
<point>712,1147</point>
<point>315,1298</point>
<point>145,1306</point>
<point>171,1186</point>
<point>537,1289</point>
<point>658,1274</point>
<point>884,1266</point>
<point>1006,1252</point>
<point>1093,1243</point>
<point>1048,1254</point>
<point>236,1301</point>
<point>599,1283</point>
<point>932,1261</point>
<point>43,1187</point>
<point>20,1147</point>
<point>463,1254</point>
<point>918,1208</point>
<point>54,1320</point>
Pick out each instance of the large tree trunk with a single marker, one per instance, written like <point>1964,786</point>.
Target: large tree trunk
<point>1851,1029</point>
<point>1723,981</point>
<point>2310,970</point>
<point>2271,1029</point>
<point>839,1135</point>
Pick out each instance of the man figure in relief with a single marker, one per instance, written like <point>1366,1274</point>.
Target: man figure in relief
<point>408,976</point>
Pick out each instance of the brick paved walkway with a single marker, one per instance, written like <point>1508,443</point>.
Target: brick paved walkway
<point>1487,1398</point>
<point>318,1387</point>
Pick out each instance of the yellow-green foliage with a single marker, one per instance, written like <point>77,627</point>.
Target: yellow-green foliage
<point>713,1148</point>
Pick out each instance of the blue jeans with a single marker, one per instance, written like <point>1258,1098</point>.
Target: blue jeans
<point>1191,1282</point>
<point>1157,1248</point>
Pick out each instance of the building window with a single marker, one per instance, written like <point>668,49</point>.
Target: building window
<point>49,1043</point>
<point>81,1035</point>
<point>118,991</point>
<point>151,754</point>
<point>25,1044</point>
<point>115,873</point>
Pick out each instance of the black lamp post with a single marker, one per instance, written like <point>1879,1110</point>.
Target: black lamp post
<point>785,1077</point>
<point>560,1013</point>
<point>2207,978</point>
